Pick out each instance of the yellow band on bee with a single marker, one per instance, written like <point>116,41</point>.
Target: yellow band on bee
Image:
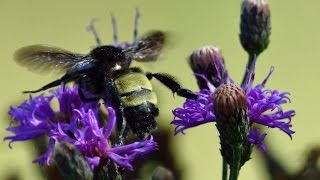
<point>132,82</point>
<point>135,100</point>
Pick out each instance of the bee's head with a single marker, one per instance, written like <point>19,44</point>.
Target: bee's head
<point>110,56</point>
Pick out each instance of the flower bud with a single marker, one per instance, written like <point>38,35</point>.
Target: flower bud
<point>208,61</point>
<point>228,98</point>
<point>230,107</point>
<point>255,26</point>
<point>71,163</point>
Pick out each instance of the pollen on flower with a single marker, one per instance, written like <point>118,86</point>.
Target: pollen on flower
<point>228,98</point>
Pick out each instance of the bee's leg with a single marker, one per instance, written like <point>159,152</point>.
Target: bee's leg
<point>112,99</point>
<point>86,99</point>
<point>64,79</point>
<point>92,29</point>
<point>83,96</point>
<point>115,31</point>
<point>171,83</point>
<point>121,123</point>
<point>135,30</point>
<point>121,126</point>
<point>125,131</point>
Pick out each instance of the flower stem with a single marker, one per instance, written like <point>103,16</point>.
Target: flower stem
<point>236,159</point>
<point>250,66</point>
<point>224,169</point>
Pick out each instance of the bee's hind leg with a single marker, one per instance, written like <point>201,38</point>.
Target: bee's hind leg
<point>171,83</point>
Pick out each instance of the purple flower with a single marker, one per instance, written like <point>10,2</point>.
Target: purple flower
<point>75,122</point>
<point>264,106</point>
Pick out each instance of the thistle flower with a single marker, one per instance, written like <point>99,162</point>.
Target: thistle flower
<point>75,123</point>
<point>255,26</point>
<point>264,106</point>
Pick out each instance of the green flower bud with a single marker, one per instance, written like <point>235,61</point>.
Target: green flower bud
<point>255,26</point>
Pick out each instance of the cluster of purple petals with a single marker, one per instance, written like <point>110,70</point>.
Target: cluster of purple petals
<point>255,138</point>
<point>194,112</point>
<point>264,107</point>
<point>76,123</point>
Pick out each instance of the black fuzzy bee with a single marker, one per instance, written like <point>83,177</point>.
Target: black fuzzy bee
<point>106,74</point>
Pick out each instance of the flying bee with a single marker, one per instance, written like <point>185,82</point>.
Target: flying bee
<point>105,73</point>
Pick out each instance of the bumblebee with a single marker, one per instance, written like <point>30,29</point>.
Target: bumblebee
<point>105,73</point>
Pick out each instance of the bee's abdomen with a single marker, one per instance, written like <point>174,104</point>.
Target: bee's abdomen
<point>135,89</point>
<point>141,119</point>
<point>139,102</point>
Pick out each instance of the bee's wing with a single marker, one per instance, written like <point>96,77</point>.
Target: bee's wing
<point>45,59</point>
<point>148,48</point>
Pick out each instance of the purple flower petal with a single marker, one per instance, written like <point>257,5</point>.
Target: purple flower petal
<point>255,138</point>
<point>93,162</point>
<point>46,157</point>
<point>111,122</point>
<point>124,155</point>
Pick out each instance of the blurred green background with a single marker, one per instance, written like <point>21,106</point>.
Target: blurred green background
<point>293,51</point>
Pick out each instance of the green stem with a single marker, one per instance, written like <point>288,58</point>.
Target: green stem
<point>236,159</point>
<point>250,66</point>
<point>224,169</point>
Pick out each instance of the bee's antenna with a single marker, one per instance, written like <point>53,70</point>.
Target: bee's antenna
<point>115,31</point>
<point>92,29</point>
<point>135,30</point>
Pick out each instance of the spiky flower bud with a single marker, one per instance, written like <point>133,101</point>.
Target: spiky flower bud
<point>228,98</point>
<point>209,62</point>
<point>255,26</point>
<point>230,106</point>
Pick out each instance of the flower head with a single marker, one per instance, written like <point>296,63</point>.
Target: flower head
<point>264,106</point>
<point>228,98</point>
<point>74,122</point>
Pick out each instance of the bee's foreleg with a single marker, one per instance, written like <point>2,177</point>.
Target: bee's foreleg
<point>171,83</point>
<point>92,29</point>
<point>135,29</point>
<point>115,31</point>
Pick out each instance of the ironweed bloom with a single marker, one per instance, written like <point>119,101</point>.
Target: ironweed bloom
<point>76,123</point>
<point>263,105</point>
